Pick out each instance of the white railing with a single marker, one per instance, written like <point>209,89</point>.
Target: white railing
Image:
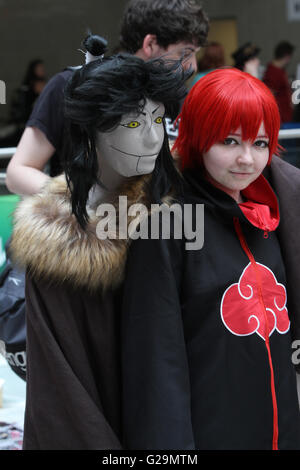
<point>283,134</point>
<point>289,134</point>
<point>7,152</point>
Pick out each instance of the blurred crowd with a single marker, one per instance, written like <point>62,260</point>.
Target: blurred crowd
<point>247,58</point>
<point>211,57</point>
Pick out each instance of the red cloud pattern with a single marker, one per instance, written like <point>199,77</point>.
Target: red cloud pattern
<point>241,309</point>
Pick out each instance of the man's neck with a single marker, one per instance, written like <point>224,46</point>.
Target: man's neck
<point>278,63</point>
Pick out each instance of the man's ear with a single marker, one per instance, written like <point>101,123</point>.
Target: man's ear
<point>150,47</point>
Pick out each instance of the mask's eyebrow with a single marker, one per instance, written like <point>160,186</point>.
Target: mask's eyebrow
<point>154,111</point>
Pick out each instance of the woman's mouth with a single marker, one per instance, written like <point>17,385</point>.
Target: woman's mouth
<point>241,174</point>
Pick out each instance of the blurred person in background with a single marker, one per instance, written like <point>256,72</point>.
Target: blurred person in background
<point>25,96</point>
<point>22,103</point>
<point>150,29</point>
<point>276,79</point>
<point>246,59</point>
<point>212,59</point>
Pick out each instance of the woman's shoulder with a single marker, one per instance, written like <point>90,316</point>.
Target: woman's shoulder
<point>284,177</point>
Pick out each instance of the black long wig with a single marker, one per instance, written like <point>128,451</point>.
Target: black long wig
<point>96,98</point>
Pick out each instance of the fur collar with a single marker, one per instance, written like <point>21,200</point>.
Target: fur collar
<point>48,240</point>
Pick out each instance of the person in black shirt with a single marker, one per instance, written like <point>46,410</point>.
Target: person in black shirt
<point>48,117</point>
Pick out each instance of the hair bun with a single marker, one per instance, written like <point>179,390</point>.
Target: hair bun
<point>95,45</point>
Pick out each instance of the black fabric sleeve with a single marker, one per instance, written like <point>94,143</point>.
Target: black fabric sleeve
<point>47,114</point>
<point>156,386</point>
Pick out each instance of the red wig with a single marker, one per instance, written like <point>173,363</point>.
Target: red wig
<point>217,105</point>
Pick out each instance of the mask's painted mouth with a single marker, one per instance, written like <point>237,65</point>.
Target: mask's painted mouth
<point>132,154</point>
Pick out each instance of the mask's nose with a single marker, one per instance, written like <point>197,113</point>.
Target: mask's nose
<point>153,137</point>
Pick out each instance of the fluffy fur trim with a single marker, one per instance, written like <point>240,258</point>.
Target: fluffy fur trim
<point>48,240</point>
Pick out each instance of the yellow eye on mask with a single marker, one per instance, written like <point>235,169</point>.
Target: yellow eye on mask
<point>158,120</point>
<point>132,124</point>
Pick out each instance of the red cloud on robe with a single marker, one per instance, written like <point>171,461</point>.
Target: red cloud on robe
<point>242,312</point>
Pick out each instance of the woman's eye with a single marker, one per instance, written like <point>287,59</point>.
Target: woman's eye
<point>132,124</point>
<point>261,144</point>
<point>158,120</point>
<point>229,141</point>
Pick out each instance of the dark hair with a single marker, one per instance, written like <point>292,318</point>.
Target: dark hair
<point>171,21</point>
<point>245,53</point>
<point>96,98</point>
<point>30,75</point>
<point>95,44</point>
<point>213,57</point>
<point>283,49</point>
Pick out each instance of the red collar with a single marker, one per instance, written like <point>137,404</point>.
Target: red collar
<point>261,207</point>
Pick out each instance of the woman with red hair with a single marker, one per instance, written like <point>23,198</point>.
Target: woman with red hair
<point>207,333</point>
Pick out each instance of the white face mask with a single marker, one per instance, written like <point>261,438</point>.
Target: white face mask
<point>133,147</point>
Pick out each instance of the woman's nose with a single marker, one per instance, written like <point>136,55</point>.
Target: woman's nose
<point>245,155</point>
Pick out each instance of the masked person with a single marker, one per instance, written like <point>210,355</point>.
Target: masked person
<point>207,333</point>
<point>117,145</point>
